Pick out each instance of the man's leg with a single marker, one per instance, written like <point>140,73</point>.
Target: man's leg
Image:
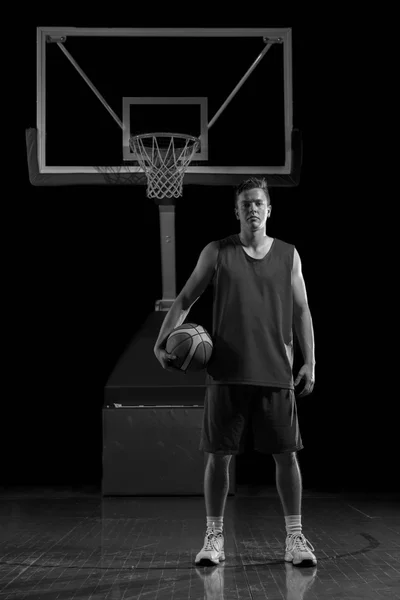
<point>216,487</point>
<point>216,484</point>
<point>288,482</point>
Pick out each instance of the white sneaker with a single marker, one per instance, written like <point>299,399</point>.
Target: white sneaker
<point>299,551</point>
<point>213,550</point>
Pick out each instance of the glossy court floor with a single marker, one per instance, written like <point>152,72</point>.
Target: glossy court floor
<point>75,544</point>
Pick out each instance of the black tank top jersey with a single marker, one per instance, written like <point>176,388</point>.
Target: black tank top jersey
<point>252,316</point>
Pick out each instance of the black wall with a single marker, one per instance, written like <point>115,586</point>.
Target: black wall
<point>82,271</point>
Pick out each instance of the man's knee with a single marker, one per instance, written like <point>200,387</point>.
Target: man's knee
<point>218,460</point>
<point>285,458</point>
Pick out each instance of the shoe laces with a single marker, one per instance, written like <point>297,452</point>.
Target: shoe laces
<point>300,542</point>
<point>211,536</point>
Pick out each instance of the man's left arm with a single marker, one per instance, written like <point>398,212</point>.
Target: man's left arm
<point>304,327</point>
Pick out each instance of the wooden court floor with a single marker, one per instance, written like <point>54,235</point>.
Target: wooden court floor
<point>75,544</point>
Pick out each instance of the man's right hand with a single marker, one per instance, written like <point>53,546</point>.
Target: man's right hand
<point>166,359</point>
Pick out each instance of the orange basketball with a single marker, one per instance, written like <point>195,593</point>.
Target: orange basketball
<point>192,345</point>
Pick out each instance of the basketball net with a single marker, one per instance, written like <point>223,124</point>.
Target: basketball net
<point>164,158</point>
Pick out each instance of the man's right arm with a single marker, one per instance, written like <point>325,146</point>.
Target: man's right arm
<point>175,317</point>
<point>194,287</point>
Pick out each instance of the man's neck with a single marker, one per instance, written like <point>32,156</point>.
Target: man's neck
<point>254,243</point>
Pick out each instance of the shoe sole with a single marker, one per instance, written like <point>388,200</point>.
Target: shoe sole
<point>207,562</point>
<point>304,563</point>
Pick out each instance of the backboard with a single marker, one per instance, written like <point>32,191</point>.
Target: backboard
<point>232,88</point>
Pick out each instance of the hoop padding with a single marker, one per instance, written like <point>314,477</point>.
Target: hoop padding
<point>164,158</point>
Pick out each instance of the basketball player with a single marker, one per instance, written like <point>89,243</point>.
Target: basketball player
<point>259,293</point>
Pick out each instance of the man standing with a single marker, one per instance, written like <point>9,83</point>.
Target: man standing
<point>259,294</point>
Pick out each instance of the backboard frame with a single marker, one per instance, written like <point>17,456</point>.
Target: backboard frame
<point>197,173</point>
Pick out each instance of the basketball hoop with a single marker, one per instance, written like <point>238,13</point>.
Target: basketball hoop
<point>164,158</point>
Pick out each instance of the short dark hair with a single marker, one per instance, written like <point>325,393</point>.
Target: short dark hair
<point>250,184</point>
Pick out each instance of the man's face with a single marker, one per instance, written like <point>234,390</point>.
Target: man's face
<point>253,203</point>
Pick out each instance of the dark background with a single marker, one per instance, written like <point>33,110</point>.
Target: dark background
<point>82,272</point>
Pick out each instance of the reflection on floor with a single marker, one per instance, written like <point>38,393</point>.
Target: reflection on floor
<point>64,544</point>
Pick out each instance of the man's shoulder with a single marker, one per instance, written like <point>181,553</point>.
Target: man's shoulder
<point>288,246</point>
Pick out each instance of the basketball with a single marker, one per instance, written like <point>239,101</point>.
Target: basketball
<point>192,345</point>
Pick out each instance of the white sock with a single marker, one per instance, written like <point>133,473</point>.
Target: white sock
<point>293,524</point>
<point>215,523</point>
